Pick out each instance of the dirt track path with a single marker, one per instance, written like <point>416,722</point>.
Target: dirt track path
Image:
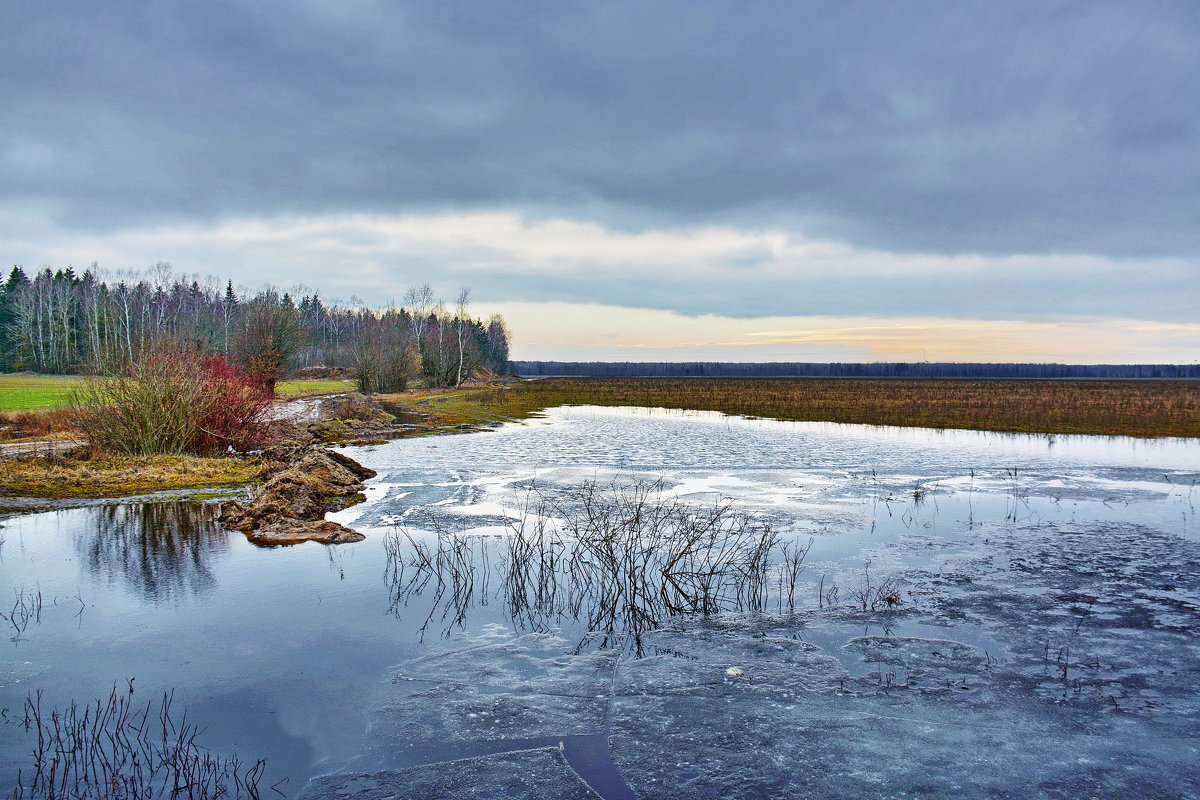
<point>36,447</point>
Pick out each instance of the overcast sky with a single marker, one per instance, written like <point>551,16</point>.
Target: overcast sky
<point>638,181</point>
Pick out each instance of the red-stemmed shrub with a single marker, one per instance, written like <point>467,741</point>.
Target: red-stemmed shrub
<point>173,401</point>
<point>233,408</point>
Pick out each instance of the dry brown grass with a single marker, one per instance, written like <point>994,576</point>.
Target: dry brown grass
<point>1113,408</point>
<point>54,423</point>
<point>77,475</point>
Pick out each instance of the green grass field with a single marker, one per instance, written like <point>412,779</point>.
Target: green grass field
<point>34,392</point>
<point>38,392</point>
<point>311,387</point>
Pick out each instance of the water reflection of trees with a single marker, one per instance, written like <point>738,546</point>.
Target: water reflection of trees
<point>163,551</point>
<point>619,559</point>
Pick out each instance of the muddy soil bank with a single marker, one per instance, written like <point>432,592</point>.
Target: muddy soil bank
<point>299,490</point>
<point>303,479</point>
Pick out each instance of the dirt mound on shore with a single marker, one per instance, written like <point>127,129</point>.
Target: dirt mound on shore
<point>303,485</point>
<point>352,418</point>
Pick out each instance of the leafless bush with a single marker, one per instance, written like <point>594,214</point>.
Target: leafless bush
<point>791,564</point>
<point>171,401</point>
<point>880,594</point>
<point>455,568</point>
<point>624,558</point>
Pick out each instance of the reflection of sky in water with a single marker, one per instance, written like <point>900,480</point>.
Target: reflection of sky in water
<point>658,439</point>
<point>281,651</point>
<point>818,477</point>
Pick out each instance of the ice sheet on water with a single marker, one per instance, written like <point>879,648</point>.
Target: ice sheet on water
<point>1051,655</point>
<point>497,502</point>
<point>1090,693</point>
<point>1099,619</point>
<point>736,711</point>
<point>708,655</point>
<point>531,686</point>
<point>637,439</point>
<point>931,660</point>
<point>13,673</point>
<point>539,774</point>
<point>735,747</point>
<point>748,706</point>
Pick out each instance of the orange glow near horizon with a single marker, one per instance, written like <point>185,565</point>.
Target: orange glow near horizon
<point>577,331</point>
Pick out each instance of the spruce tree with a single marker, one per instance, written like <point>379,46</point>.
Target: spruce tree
<point>8,314</point>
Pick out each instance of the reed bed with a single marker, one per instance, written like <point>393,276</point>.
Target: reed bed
<point>114,749</point>
<point>26,608</point>
<point>1144,408</point>
<point>621,558</point>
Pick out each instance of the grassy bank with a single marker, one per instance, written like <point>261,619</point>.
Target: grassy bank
<point>1111,408</point>
<point>71,476</point>
<point>36,415</point>
<point>468,407</point>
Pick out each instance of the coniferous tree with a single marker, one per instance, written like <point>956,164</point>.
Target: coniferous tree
<point>9,295</point>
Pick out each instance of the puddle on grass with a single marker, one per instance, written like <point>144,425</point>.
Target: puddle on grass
<point>1062,570</point>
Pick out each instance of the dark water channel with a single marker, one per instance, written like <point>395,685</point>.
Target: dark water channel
<point>300,654</point>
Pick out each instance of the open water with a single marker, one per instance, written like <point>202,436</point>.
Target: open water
<point>1042,640</point>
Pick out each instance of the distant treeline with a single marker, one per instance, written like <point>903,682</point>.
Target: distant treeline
<point>62,321</point>
<point>717,369</point>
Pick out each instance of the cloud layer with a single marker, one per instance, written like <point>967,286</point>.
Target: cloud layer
<point>690,271</point>
<point>915,127</point>
<point>1024,163</point>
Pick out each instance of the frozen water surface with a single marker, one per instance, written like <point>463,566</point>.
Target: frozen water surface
<point>537,774</point>
<point>975,615</point>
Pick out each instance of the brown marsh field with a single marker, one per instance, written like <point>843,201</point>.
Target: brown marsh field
<point>1101,407</point>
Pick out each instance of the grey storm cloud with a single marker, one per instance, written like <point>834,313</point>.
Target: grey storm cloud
<point>1047,127</point>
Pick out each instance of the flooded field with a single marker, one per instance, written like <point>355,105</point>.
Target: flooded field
<point>645,603</point>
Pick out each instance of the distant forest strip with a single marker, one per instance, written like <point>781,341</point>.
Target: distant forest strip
<point>718,369</point>
<point>1113,408</point>
<point>64,322</point>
